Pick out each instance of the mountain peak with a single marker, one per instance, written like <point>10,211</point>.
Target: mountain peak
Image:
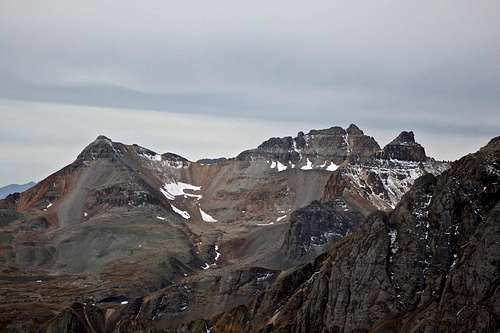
<point>102,137</point>
<point>101,147</point>
<point>404,138</point>
<point>318,146</point>
<point>493,144</point>
<point>335,130</point>
<point>405,148</point>
<point>354,130</point>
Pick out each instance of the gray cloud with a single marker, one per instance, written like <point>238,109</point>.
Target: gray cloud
<point>431,66</point>
<point>38,138</point>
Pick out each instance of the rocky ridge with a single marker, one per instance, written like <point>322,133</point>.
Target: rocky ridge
<point>129,221</point>
<point>430,265</point>
<point>325,148</point>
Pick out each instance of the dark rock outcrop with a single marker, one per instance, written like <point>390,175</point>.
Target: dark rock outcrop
<point>333,144</point>
<point>404,148</point>
<point>316,225</point>
<point>360,145</point>
<point>174,157</point>
<point>79,318</point>
<point>211,160</point>
<point>102,147</point>
<point>432,265</point>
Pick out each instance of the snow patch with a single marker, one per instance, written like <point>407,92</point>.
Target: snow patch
<point>151,157</point>
<point>294,146</point>
<point>264,224</point>
<point>277,164</point>
<point>206,217</point>
<point>161,218</point>
<point>264,277</point>
<point>174,164</point>
<point>393,234</point>
<point>346,141</point>
<point>217,254</point>
<point>281,167</point>
<point>182,213</point>
<point>175,189</point>
<point>49,205</point>
<point>124,302</point>
<point>332,167</point>
<point>308,165</point>
<point>455,260</point>
<point>280,218</point>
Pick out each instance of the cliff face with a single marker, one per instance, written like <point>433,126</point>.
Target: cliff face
<point>316,148</point>
<point>431,265</point>
<point>404,147</point>
<point>317,226</point>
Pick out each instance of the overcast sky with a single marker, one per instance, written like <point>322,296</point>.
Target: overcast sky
<point>211,78</point>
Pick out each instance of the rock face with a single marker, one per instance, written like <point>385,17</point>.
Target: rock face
<point>432,265</point>
<point>405,148</point>
<point>360,145</point>
<point>316,148</point>
<point>126,224</point>
<point>79,318</point>
<point>377,183</point>
<point>332,221</point>
<point>374,178</point>
<point>212,160</point>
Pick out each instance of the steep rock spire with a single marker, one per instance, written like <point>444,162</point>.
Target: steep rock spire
<point>405,148</point>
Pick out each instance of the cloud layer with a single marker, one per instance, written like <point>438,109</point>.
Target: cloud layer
<point>40,138</point>
<point>431,66</point>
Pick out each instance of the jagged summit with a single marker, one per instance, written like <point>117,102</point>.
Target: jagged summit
<point>173,157</point>
<point>430,266</point>
<point>101,147</point>
<point>405,138</point>
<point>104,148</point>
<point>493,144</point>
<point>354,130</point>
<point>335,130</point>
<point>405,148</point>
<point>102,137</point>
<point>317,147</point>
